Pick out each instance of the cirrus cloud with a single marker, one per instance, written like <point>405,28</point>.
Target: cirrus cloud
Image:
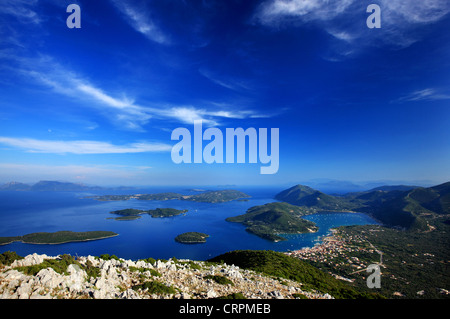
<point>81,147</point>
<point>345,20</point>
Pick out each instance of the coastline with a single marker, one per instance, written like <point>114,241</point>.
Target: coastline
<point>65,242</point>
<point>326,242</point>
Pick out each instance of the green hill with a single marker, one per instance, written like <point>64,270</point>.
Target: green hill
<point>404,207</point>
<point>280,265</point>
<point>269,220</point>
<point>301,195</point>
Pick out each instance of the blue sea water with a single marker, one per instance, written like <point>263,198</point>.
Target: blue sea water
<point>28,212</point>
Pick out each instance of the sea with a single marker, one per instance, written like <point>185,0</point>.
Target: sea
<point>24,212</point>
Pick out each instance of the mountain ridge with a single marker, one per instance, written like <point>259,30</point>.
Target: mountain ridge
<point>53,186</point>
<point>394,206</point>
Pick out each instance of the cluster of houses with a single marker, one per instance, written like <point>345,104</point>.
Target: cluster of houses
<point>339,252</point>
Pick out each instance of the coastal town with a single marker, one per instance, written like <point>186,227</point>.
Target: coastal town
<point>342,255</point>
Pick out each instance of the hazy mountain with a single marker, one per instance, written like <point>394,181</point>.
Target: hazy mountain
<point>53,186</point>
<point>14,186</point>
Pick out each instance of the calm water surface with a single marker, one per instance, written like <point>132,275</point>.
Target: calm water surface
<point>28,212</point>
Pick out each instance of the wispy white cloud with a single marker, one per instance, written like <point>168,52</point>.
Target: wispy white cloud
<point>234,84</point>
<point>139,19</point>
<point>342,19</point>
<point>188,114</point>
<point>128,114</point>
<point>23,10</point>
<point>276,11</point>
<point>428,94</point>
<point>342,35</point>
<point>414,11</point>
<point>81,147</point>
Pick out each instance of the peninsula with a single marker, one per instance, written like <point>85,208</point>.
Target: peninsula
<point>60,237</point>
<point>269,220</point>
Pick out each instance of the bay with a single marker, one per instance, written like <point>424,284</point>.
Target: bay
<point>28,212</point>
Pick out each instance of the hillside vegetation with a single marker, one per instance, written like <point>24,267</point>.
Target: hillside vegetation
<point>279,265</point>
<point>403,207</point>
<point>270,220</point>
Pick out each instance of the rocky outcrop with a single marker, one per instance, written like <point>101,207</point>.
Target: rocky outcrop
<point>126,279</point>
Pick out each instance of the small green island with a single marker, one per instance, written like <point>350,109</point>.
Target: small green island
<point>59,237</point>
<point>191,238</point>
<point>269,220</point>
<point>131,213</point>
<point>205,197</point>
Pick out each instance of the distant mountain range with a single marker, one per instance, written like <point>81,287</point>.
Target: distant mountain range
<point>400,206</point>
<point>52,186</point>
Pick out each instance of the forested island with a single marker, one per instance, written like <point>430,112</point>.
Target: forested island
<point>130,213</point>
<point>205,197</point>
<point>191,238</point>
<point>59,237</point>
<point>269,220</point>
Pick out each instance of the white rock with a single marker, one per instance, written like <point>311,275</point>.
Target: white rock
<point>141,264</point>
<point>211,294</point>
<point>76,279</point>
<point>49,278</point>
<point>171,267</point>
<point>24,290</point>
<point>94,261</point>
<point>129,294</point>
<point>14,275</point>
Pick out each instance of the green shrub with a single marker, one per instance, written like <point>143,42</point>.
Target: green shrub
<point>8,257</point>
<point>219,279</point>
<point>149,260</point>
<point>279,265</point>
<point>155,287</point>
<point>236,295</point>
<point>92,272</point>
<point>108,257</point>
<point>59,265</point>
<point>154,273</point>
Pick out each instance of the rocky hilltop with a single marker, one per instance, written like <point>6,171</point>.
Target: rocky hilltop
<point>108,277</point>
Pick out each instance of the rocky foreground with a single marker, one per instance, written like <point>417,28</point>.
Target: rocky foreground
<point>115,278</point>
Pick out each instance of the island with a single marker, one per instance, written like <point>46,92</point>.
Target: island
<point>205,197</point>
<point>191,238</point>
<point>59,237</point>
<point>165,212</point>
<point>131,213</point>
<point>269,220</point>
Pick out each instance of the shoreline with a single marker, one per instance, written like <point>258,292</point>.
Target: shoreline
<point>65,242</point>
<point>325,242</point>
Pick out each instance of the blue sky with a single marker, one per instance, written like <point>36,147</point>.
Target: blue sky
<point>97,105</point>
